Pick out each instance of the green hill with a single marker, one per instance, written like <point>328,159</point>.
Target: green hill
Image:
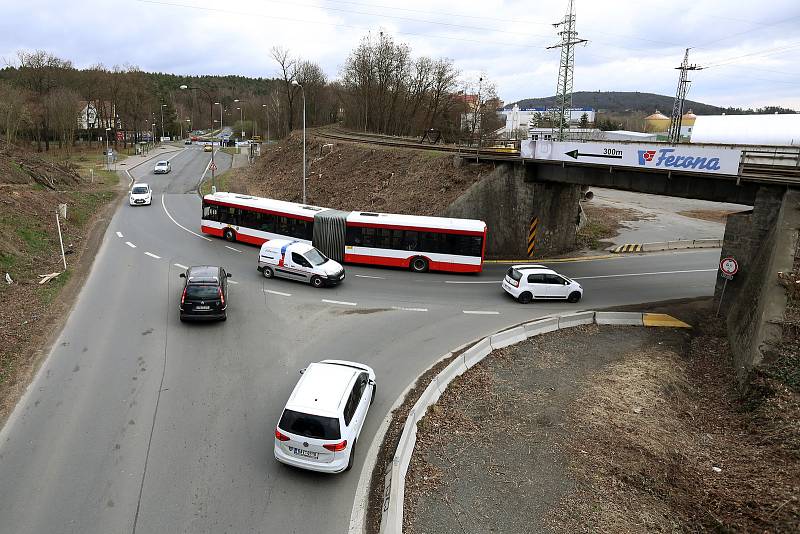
<point>621,102</point>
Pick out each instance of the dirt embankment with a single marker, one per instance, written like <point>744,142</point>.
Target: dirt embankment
<point>31,189</point>
<point>352,176</point>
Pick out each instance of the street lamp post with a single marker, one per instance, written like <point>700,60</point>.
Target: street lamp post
<point>211,118</point>
<point>266,112</point>
<point>294,82</point>
<point>237,101</point>
<point>108,158</point>
<point>162,119</point>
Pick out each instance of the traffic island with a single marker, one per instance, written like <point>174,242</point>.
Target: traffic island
<point>593,428</point>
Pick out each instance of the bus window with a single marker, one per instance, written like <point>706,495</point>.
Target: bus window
<point>368,237</point>
<point>353,237</point>
<point>210,212</point>
<point>227,215</point>
<point>410,240</point>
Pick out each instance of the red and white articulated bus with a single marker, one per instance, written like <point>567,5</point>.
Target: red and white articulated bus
<point>408,241</point>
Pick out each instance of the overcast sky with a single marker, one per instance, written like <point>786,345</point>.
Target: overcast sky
<point>751,48</point>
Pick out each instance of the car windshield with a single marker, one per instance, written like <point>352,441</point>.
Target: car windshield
<point>202,292</point>
<point>162,164</point>
<point>316,257</point>
<point>139,190</point>
<point>310,426</point>
<point>514,274</point>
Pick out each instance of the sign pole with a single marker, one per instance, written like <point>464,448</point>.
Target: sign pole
<point>60,240</point>
<point>721,296</point>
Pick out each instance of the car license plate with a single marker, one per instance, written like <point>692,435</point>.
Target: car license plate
<point>202,308</point>
<point>304,453</point>
<point>139,201</point>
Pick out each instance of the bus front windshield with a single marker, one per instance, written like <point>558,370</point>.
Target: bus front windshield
<point>315,257</point>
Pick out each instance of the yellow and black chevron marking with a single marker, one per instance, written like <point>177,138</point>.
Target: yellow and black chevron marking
<point>628,247</point>
<point>532,236</point>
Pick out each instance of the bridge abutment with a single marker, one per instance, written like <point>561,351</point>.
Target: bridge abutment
<point>764,241</point>
<point>509,201</point>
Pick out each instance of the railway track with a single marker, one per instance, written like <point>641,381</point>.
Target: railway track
<point>755,172</point>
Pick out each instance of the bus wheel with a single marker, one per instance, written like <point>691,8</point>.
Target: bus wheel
<point>316,281</point>
<point>229,235</point>
<point>419,265</point>
<point>525,297</point>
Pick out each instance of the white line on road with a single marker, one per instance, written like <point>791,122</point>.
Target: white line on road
<point>233,249</point>
<point>400,308</point>
<point>180,266</point>
<point>179,224</point>
<point>277,293</point>
<point>367,276</point>
<point>645,274</point>
<point>152,255</point>
<point>480,282</point>
<point>232,282</point>
<point>481,312</point>
<point>119,234</point>
<point>130,244</point>
<point>342,302</point>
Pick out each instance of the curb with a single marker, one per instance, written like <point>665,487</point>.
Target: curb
<point>394,493</point>
<point>554,260</point>
<point>666,245</point>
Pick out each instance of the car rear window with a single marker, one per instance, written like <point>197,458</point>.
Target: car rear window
<point>310,426</point>
<point>201,292</point>
<point>139,190</point>
<point>514,274</point>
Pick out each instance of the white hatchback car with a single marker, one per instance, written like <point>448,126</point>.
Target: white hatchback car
<point>319,427</point>
<point>162,167</point>
<point>141,195</point>
<point>528,282</point>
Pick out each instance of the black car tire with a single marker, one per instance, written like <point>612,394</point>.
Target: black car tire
<point>352,457</point>
<point>229,235</point>
<point>267,272</point>
<point>316,281</point>
<point>372,399</point>
<point>575,296</point>
<point>419,265</point>
<point>525,297</point>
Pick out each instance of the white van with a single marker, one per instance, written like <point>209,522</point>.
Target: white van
<point>298,261</point>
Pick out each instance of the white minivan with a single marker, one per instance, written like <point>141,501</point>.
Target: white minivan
<point>319,427</point>
<point>298,261</point>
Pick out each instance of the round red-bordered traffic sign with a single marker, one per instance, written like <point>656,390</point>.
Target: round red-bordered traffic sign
<point>729,266</point>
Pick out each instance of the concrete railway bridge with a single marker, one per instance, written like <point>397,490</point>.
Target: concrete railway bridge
<point>544,181</point>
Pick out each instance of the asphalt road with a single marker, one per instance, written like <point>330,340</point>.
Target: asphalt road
<point>139,423</point>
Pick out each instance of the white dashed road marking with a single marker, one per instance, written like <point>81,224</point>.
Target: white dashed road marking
<point>343,303</point>
<point>152,255</point>
<point>179,224</point>
<point>119,234</point>
<point>277,293</point>
<point>400,308</point>
<point>473,282</point>
<point>180,266</point>
<point>367,276</point>
<point>481,312</point>
<point>130,244</point>
<point>233,249</point>
<point>232,282</point>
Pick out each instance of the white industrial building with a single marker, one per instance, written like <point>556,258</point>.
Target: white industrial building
<point>525,119</point>
<point>776,129</point>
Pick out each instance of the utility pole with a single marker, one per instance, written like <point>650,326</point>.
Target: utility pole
<point>566,71</point>
<point>675,120</point>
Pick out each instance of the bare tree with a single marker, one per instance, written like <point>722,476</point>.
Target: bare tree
<point>40,72</point>
<point>287,69</point>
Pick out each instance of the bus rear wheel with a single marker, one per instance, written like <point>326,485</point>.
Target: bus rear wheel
<point>419,265</point>
<point>229,235</point>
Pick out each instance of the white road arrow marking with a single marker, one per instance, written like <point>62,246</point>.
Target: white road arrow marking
<point>119,234</point>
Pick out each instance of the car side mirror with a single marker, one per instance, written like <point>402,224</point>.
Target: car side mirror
<point>371,382</point>
<point>303,370</point>
<point>228,275</point>
<point>566,283</point>
<point>182,275</point>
